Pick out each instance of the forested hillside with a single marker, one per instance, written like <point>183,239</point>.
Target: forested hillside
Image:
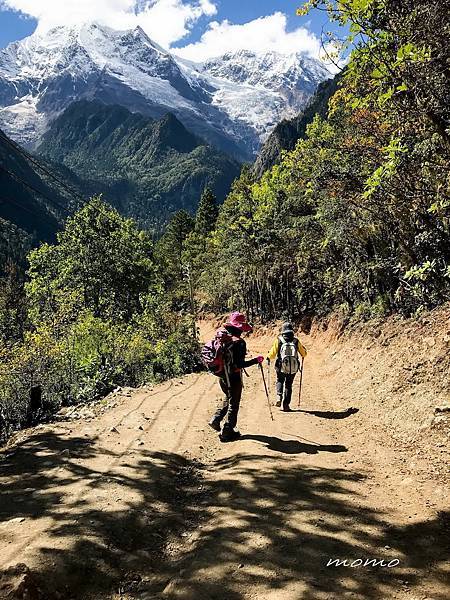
<point>96,311</point>
<point>148,169</point>
<point>35,199</point>
<point>356,217</point>
<point>32,197</point>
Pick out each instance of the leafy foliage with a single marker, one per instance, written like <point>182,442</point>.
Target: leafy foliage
<point>101,263</point>
<point>357,215</point>
<point>13,315</point>
<point>99,316</point>
<point>14,246</point>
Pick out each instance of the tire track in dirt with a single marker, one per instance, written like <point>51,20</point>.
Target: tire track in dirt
<point>191,416</point>
<point>278,504</point>
<point>285,499</point>
<point>47,472</point>
<point>7,559</point>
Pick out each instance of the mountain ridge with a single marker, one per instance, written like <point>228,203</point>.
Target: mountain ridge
<point>43,74</point>
<point>30,199</point>
<point>35,198</point>
<point>151,167</point>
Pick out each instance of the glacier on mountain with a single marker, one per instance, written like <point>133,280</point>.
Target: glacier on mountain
<point>233,101</point>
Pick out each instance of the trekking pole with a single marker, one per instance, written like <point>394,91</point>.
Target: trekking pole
<point>301,381</point>
<point>268,379</point>
<point>267,392</point>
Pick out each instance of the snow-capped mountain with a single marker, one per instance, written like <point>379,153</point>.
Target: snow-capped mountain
<point>292,75</point>
<point>233,101</point>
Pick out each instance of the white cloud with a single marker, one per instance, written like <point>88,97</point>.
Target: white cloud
<point>60,12</point>
<point>168,21</point>
<point>165,21</point>
<point>261,35</point>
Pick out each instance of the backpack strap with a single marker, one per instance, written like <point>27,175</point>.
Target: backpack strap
<point>229,350</point>
<point>281,341</point>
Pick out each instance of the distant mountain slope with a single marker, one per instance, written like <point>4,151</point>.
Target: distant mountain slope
<point>35,199</point>
<point>287,133</point>
<point>232,101</point>
<point>29,197</point>
<point>149,168</point>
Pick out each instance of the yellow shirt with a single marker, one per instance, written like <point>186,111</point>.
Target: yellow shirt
<point>273,352</point>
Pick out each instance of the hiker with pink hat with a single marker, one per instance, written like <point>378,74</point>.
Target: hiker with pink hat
<point>225,356</point>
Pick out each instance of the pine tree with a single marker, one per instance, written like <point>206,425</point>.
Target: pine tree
<point>207,213</point>
<point>169,250</point>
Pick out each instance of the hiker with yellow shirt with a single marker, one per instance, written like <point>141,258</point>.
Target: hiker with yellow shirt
<point>286,351</point>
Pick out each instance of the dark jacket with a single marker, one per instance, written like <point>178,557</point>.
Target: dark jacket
<point>239,351</point>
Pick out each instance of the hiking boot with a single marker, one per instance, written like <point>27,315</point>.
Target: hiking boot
<point>278,402</point>
<point>229,435</point>
<point>286,408</point>
<point>215,424</point>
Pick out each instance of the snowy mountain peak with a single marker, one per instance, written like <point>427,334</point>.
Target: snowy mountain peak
<point>271,69</point>
<point>87,45</point>
<point>232,101</point>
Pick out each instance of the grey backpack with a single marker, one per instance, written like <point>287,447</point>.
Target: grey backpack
<point>289,361</point>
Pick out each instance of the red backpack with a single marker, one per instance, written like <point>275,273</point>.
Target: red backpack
<point>216,354</point>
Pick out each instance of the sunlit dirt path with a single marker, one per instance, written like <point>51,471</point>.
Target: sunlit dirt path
<point>145,502</point>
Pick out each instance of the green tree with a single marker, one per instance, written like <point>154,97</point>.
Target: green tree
<point>13,314</point>
<point>207,213</point>
<point>99,316</point>
<point>356,217</point>
<point>195,244</point>
<point>169,253</point>
<point>101,263</point>
<point>400,56</point>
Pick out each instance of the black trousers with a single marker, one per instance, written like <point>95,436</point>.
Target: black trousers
<point>230,405</point>
<point>284,387</point>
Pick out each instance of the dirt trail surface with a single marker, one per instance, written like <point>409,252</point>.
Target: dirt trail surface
<point>143,501</point>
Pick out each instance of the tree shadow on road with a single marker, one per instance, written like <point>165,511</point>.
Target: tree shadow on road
<point>135,528</point>
<point>103,524</point>
<point>278,527</point>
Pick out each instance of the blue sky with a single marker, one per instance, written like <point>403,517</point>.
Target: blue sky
<point>242,11</point>
<point>205,27</point>
<point>13,27</point>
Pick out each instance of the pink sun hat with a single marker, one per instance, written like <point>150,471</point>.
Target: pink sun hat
<point>239,321</point>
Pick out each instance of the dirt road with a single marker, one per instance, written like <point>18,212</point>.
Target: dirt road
<point>143,501</point>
